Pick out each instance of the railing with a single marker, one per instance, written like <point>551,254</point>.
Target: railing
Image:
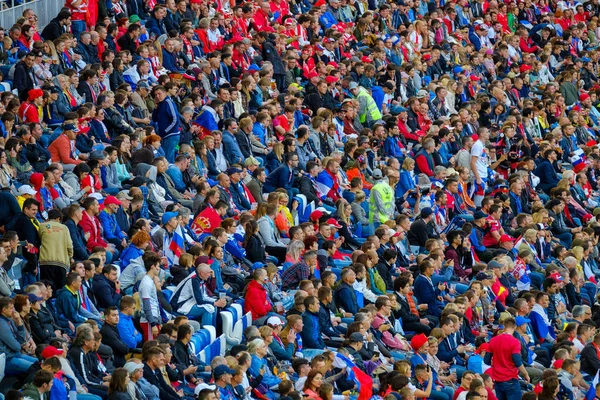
<point>44,9</point>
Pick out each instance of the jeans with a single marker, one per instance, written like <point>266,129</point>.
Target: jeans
<point>169,145</point>
<point>444,394</point>
<point>510,390</point>
<point>201,314</point>
<point>565,238</point>
<point>310,353</point>
<point>19,363</point>
<point>77,27</point>
<point>537,279</point>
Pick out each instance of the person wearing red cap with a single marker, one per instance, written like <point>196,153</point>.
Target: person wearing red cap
<point>31,110</point>
<point>110,226</point>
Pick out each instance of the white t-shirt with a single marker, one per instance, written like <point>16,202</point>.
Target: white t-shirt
<point>148,291</point>
<point>478,150</point>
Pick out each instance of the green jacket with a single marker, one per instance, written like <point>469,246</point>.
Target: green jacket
<point>29,391</point>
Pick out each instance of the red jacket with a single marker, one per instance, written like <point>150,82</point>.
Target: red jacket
<point>92,231</point>
<point>256,300</point>
<point>29,112</point>
<point>60,151</point>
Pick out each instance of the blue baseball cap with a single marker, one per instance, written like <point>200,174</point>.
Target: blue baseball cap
<point>166,217</point>
<point>522,320</point>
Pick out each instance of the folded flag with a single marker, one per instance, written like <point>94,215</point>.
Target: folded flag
<point>364,383</point>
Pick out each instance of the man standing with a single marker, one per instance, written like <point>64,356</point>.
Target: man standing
<point>56,249</point>
<point>504,356</point>
<point>381,200</point>
<point>167,119</point>
<point>480,163</point>
<point>231,148</point>
<point>151,319</point>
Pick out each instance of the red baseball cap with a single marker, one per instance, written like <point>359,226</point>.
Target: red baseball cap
<point>334,223</point>
<point>506,238</point>
<point>112,200</point>
<point>331,79</point>
<point>51,351</point>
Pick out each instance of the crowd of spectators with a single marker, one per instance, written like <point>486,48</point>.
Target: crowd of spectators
<point>402,194</point>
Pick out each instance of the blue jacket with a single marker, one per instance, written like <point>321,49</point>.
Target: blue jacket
<point>231,149</point>
<point>281,177</point>
<point>239,200</point>
<point>105,292</point>
<point>131,252</point>
<point>405,184</point>
<point>9,344</point>
<point>426,293</point>
<point>155,26</point>
<point>280,352</point>
<point>311,333</point>
<point>325,322</point>
<point>170,62</point>
<point>112,230</point>
<point>80,251</point>
<point>129,335</point>
<point>548,177</point>
<point>345,298</point>
<point>447,352</point>
<point>166,117</point>
<point>392,147</point>
<point>68,305</point>
<point>269,378</point>
<point>177,177</point>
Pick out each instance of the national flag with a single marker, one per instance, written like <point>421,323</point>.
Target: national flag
<point>177,245</point>
<point>325,182</point>
<point>364,383</point>
<point>206,221</point>
<point>591,393</point>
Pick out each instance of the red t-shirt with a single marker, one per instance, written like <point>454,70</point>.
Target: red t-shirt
<point>502,348</point>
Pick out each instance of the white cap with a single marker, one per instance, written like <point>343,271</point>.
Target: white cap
<point>274,321</point>
<point>26,189</point>
<point>203,386</point>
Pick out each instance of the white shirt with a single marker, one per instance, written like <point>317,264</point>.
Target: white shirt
<point>478,150</point>
<point>148,291</point>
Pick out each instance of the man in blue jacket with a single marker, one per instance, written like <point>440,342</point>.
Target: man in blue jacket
<point>107,288</point>
<point>426,292</point>
<point>325,295</point>
<point>170,58</point>
<point>108,219</point>
<point>282,176</point>
<point>68,302</point>
<point>345,297</point>
<point>546,172</point>
<point>166,119</point>
<point>75,213</point>
<point>12,336</point>
<point>129,335</point>
<point>311,334</point>
<point>156,24</point>
<point>231,149</point>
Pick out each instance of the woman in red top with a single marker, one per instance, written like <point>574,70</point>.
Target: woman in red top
<point>313,383</point>
<point>256,300</point>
